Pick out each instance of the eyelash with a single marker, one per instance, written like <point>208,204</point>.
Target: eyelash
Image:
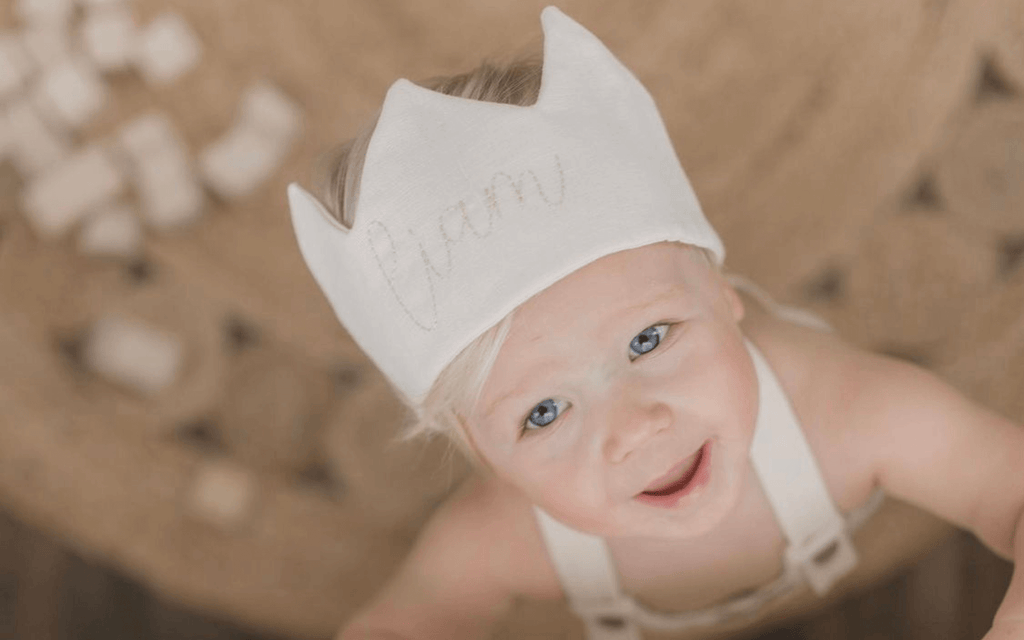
<point>524,429</point>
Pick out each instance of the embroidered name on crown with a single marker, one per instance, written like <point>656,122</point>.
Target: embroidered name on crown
<point>413,261</point>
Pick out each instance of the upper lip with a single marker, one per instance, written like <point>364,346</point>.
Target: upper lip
<point>675,470</point>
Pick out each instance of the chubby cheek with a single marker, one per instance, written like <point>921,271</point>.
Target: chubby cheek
<point>567,493</point>
<point>576,508</point>
<point>742,400</point>
<point>725,382</point>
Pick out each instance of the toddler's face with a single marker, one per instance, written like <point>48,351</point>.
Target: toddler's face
<point>613,376</point>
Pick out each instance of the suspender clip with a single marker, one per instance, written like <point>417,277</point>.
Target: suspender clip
<point>824,557</point>
<point>608,619</point>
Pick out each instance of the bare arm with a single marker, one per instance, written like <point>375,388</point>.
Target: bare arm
<point>938,450</point>
<point>450,586</point>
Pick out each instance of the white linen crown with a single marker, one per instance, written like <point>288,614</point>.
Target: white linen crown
<point>468,208</point>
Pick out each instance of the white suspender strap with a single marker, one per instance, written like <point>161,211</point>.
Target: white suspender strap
<point>589,579</point>
<point>818,541</point>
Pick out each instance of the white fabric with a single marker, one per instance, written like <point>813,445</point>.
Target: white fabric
<point>791,479</point>
<point>589,579</point>
<point>467,208</point>
<point>785,466</point>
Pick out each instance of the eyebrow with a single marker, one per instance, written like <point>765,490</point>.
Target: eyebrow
<point>518,389</point>
<point>662,296</point>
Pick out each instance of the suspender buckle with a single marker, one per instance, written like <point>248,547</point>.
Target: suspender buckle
<point>824,557</point>
<point>608,619</point>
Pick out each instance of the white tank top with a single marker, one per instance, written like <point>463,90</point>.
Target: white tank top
<point>819,549</point>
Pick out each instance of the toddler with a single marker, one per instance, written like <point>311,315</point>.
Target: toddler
<point>520,253</point>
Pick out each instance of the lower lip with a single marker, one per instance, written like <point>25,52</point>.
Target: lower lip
<point>698,478</point>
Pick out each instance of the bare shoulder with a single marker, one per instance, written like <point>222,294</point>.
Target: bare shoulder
<point>826,379</point>
<point>476,555</point>
<point>503,518</point>
<point>878,421</point>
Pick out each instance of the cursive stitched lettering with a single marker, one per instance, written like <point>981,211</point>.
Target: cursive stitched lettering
<point>413,269</point>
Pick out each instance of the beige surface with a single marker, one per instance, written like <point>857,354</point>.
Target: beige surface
<point>803,124</point>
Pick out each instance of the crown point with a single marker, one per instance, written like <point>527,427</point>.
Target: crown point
<point>306,206</point>
<point>549,10</point>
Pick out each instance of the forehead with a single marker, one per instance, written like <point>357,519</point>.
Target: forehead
<point>612,284</point>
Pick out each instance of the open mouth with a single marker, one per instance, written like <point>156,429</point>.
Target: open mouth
<point>679,481</point>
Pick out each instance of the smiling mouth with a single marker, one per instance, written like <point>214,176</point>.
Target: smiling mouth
<point>678,478</point>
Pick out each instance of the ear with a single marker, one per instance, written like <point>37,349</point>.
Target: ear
<point>732,298</point>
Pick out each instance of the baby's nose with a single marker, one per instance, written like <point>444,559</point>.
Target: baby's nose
<point>631,423</point>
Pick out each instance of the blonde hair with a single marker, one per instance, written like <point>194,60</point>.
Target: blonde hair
<point>457,388</point>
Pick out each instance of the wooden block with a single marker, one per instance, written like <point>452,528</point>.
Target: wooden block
<point>44,11</point>
<point>89,5</point>
<point>108,36</point>
<point>239,161</point>
<point>46,43</point>
<point>35,147</point>
<point>162,170</point>
<point>167,49</point>
<point>114,231</point>
<point>133,354</point>
<point>169,204</point>
<point>223,493</point>
<point>150,134</point>
<point>6,140</point>
<point>266,108</point>
<point>58,199</point>
<point>70,93</point>
<point>15,65</point>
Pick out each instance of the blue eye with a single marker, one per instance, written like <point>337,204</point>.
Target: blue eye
<point>647,340</point>
<point>544,414</point>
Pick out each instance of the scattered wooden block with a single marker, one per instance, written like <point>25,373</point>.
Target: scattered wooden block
<point>58,199</point>
<point>6,140</point>
<point>164,176</point>
<point>223,493</point>
<point>170,204</point>
<point>108,35</point>
<point>35,147</point>
<point>153,149</point>
<point>15,65</point>
<point>250,151</point>
<point>147,134</point>
<point>266,108</point>
<point>44,11</point>
<point>114,231</point>
<point>167,49</point>
<point>135,355</point>
<point>89,5</point>
<point>46,43</point>
<point>70,93</point>
<point>239,161</point>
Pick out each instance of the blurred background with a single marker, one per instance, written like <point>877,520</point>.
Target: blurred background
<point>192,447</point>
